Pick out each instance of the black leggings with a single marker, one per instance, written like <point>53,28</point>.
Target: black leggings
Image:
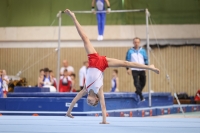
<point>139,78</point>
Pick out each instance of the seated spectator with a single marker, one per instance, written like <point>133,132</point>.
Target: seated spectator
<point>73,77</point>
<point>5,83</point>
<point>114,81</point>
<point>197,97</point>
<point>53,77</point>
<point>1,83</point>
<point>65,82</point>
<point>70,69</point>
<point>41,78</point>
<point>48,80</point>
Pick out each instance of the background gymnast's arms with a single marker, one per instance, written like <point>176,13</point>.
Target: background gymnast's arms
<point>107,3</point>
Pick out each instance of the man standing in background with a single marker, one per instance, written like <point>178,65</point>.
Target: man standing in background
<point>70,69</point>
<point>137,54</point>
<point>101,17</point>
<point>82,74</point>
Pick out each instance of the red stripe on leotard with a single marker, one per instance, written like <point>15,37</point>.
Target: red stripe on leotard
<point>92,82</point>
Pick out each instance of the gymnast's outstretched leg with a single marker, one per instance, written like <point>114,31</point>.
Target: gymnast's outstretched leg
<point>120,63</point>
<point>87,44</point>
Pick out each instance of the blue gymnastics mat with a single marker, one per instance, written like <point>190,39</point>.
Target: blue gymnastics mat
<point>44,101</point>
<point>60,124</point>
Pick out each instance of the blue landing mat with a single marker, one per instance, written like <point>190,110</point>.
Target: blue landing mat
<point>45,101</point>
<point>58,124</point>
<point>73,94</point>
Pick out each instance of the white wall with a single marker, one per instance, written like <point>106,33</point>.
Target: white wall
<point>111,32</point>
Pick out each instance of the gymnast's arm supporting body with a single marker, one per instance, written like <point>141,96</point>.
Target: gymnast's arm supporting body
<point>82,93</point>
<point>103,105</point>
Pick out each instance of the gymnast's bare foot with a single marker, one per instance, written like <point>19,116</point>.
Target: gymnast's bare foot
<point>156,70</point>
<point>69,115</point>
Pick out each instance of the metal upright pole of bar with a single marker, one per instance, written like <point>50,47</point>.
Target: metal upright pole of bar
<point>58,50</point>
<point>148,52</point>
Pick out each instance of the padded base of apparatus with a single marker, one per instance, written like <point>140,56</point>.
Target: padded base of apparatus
<point>31,89</point>
<point>73,94</point>
<point>45,101</point>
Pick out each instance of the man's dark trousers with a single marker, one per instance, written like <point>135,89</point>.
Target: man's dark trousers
<point>139,78</point>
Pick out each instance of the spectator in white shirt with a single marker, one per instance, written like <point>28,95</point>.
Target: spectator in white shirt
<point>70,69</point>
<point>5,83</point>
<point>82,74</point>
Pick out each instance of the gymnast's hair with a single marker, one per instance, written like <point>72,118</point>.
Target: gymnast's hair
<point>97,101</point>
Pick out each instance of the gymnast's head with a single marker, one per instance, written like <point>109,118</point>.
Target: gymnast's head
<point>92,98</point>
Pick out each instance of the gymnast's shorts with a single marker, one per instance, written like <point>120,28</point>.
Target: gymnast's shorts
<point>97,61</point>
<point>94,74</point>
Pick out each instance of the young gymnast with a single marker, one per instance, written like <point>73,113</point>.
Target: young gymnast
<point>94,77</point>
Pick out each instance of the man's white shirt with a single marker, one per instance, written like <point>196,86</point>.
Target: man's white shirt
<point>69,69</point>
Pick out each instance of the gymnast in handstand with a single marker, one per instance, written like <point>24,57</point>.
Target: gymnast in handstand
<point>94,77</point>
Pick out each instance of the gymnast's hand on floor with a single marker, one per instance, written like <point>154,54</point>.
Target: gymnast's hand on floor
<point>69,115</point>
<point>71,14</point>
<point>156,70</point>
<point>104,122</point>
